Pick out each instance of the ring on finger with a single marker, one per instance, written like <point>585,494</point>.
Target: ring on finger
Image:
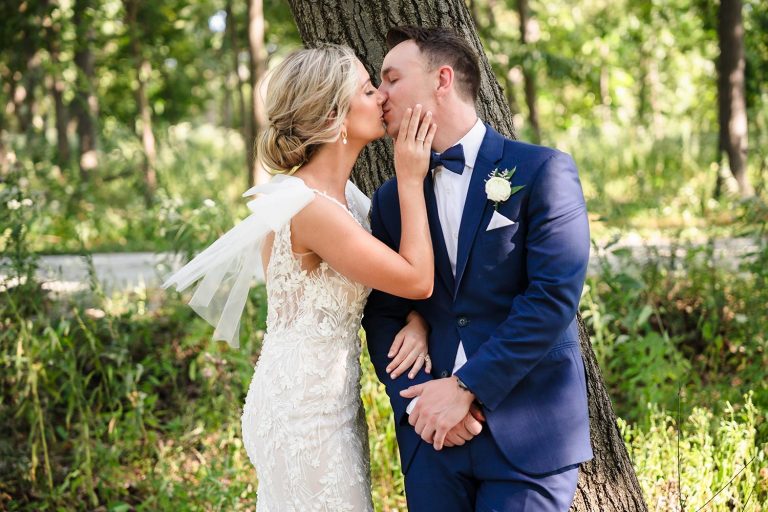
<point>427,359</point>
<point>422,356</point>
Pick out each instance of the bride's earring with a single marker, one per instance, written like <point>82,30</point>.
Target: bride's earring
<point>344,136</point>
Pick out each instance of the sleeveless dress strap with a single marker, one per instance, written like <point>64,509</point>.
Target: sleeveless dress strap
<point>332,199</point>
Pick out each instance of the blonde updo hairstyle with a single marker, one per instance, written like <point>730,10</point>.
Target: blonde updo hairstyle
<point>308,97</point>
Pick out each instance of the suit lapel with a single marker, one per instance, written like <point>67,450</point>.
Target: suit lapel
<point>477,203</point>
<point>442,263</point>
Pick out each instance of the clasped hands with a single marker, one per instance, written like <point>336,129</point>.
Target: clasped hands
<point>445,414</point>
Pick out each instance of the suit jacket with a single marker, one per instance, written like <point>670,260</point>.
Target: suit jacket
<point>512,303</point>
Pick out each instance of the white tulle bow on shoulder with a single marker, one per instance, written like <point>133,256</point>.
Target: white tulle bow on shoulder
<point>229,265</point>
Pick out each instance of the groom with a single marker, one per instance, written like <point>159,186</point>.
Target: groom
<point>501,422</point>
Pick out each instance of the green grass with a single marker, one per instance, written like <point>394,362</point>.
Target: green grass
<point>123,402</point>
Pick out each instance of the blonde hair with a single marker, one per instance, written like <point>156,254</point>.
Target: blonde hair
<point>308,97</point>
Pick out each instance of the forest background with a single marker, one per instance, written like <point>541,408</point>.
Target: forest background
<point>127,126</point>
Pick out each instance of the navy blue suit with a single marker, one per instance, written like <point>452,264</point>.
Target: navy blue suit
<point>513,305</point>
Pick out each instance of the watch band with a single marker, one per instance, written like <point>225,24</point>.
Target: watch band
<point>462,385</point>
<point>466,388</point>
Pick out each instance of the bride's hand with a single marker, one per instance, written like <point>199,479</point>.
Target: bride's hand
<point>409,348</point>
<point>413,145</point>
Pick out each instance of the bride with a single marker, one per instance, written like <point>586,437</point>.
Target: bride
<point>303,422</point>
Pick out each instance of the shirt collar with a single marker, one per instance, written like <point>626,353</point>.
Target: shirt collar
<point>471,143</point>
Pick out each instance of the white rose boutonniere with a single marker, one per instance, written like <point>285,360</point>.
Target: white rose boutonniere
<point>498,186</point>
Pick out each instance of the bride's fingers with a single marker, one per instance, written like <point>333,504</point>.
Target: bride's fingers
<point>421,135</point>
<point>413,125</point>
<point>416,366</point>
<point>401,356</point>
<point>396,344</point>
<point>407,363</point>
<point>403,132</point>
<point>430,135</point>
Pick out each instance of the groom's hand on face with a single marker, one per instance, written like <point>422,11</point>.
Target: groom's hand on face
<point>441,406</point>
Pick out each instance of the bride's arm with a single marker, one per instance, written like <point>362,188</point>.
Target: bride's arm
<point>331,233</point>
<point>410,348</point>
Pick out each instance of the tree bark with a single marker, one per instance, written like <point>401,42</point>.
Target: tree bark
<point>608,483</point>
<point>53,34</point>
<point>732,93</point>
<point>258,53</point>
<point>143,72</point>
<point>529,74</point>
<point>85,102</point>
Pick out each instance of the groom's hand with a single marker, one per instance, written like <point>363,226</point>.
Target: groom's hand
<point>441,406</point>
<point>464,430</point>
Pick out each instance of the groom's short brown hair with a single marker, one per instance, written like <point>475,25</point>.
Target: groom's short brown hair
<point>443,46</point>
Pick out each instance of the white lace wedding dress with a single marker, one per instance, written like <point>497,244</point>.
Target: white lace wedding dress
<point>303,421</point>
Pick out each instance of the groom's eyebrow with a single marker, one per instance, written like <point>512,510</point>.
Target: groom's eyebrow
<point>387,70</point>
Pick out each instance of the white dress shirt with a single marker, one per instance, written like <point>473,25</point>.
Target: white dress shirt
<point>451,194</point>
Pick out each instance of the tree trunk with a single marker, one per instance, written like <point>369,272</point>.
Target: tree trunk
<point>85,102</point>
<point>246,118</point>
<point>143,72</point>
<point>608,483</point>
<point>731,91</point>
<point>16,101</point>
<point>649,94</point>
<point>529,73</point>
<point>33,75</point>
<point>258,53</point>
<point>57,89</point>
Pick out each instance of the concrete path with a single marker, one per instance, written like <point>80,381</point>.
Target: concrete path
<point>124,271</point>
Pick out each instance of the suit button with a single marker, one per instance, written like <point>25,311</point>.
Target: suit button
<point>463,321</point>
<point>444,374</point>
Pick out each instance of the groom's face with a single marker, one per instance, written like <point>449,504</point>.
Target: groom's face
<point>405,81</point>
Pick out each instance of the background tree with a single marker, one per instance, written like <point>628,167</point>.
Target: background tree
<point>731,91</point>
<point>143,69</point>
<point>608,482</point>
<point>528,33</point>
<point>53,24</point>
<point>86,104</point>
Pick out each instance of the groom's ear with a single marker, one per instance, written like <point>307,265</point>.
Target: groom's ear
<point>444,80</point>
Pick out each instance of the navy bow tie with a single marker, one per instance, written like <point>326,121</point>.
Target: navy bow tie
<point>452,159</point>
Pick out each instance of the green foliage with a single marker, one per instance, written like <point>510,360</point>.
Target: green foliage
<point>683,465</point>
<point>201,180</point>
<point>667,321</point>
<point>105,399</point>
<point>124,402</point>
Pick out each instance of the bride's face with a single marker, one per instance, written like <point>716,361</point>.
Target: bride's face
<point>365,120</point>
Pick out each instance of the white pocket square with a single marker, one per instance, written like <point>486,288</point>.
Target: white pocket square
<point>498,221</point>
